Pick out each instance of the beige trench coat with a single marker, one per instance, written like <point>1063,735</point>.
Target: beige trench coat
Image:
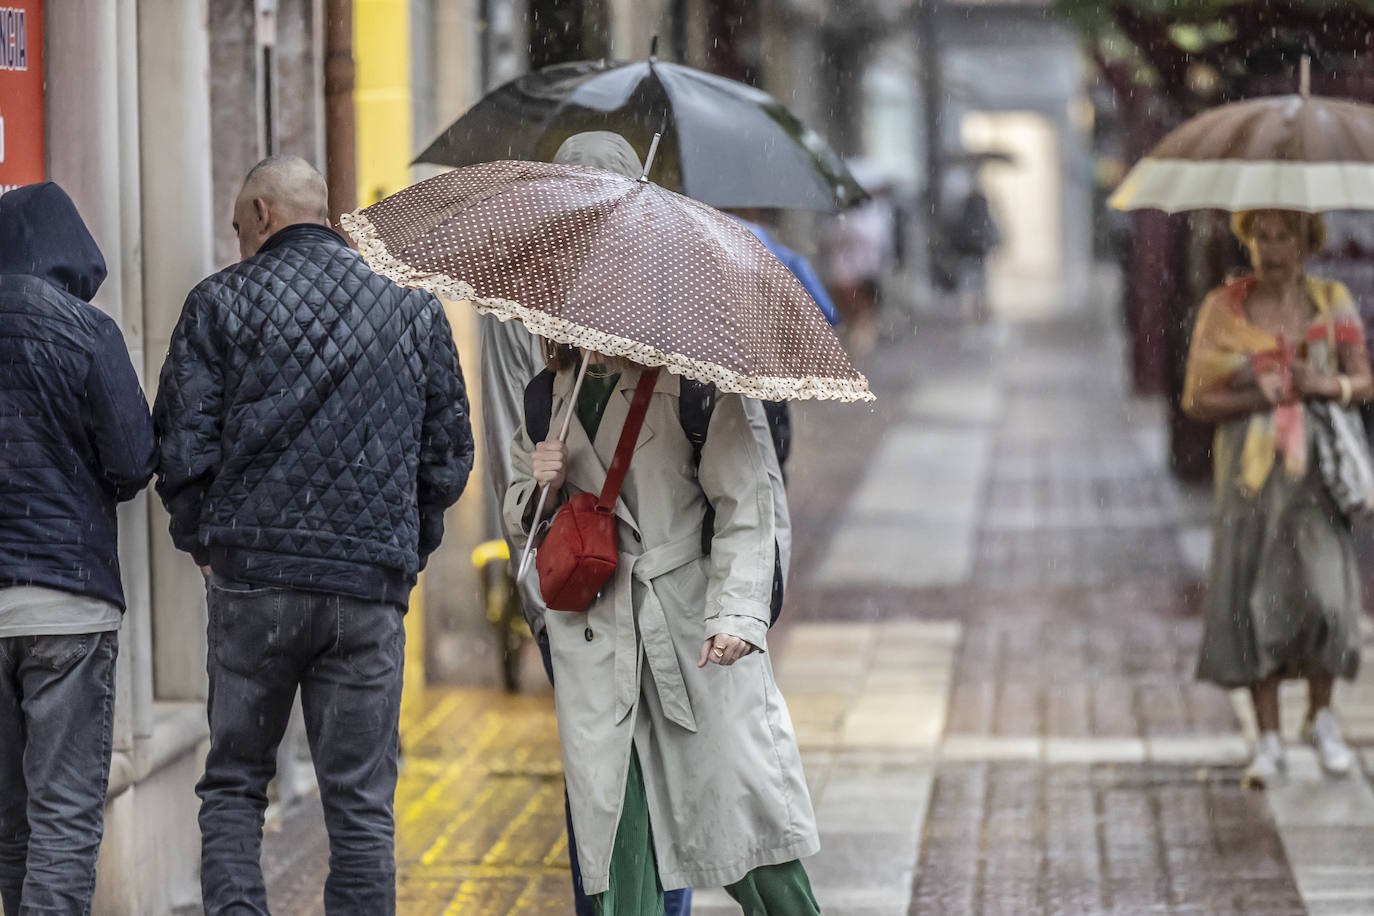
<point>721,767</point>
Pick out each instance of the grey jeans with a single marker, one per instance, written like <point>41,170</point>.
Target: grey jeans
<point>56,724</point>
<point>346,656</point>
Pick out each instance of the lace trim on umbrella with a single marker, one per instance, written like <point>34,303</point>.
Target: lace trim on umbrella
<point>561,330</point>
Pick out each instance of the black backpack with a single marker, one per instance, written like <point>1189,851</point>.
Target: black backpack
<point>696,401</point>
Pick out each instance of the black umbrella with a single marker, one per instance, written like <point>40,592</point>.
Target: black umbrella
<point>725,143</point>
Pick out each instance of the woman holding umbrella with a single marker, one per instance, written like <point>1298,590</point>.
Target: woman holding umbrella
<point>1283,597</point>
<point>680,758</point>
<point>1275,361</point>
<point>682,766</point>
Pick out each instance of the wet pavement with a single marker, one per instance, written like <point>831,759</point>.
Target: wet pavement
<point>987,652</point>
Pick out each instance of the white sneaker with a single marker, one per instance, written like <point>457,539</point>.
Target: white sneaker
<point>1268,763</point>
<point>1323,732</point>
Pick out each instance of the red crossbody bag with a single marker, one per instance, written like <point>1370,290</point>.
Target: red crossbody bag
<point>581,551</point>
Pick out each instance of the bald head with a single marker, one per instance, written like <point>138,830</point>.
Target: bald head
<point>279,191</point>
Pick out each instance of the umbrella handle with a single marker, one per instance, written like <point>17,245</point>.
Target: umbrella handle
<point>544,490</point>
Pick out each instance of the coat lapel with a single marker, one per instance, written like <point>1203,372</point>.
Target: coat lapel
<point>613,420</point>
<point>587,463</point>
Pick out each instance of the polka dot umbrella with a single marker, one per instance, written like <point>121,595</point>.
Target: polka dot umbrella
<point>612,265</point>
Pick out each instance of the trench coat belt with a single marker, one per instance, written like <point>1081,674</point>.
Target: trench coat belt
<point>653,630</point>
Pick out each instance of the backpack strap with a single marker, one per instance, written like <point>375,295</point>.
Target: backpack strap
<point>539,406</point>
<point>695,402</point>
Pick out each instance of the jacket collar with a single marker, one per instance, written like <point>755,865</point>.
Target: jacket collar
<point>302,234</point>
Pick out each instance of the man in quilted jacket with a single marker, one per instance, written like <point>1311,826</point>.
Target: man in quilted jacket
<point>75,439</point>
<point>313,427</point>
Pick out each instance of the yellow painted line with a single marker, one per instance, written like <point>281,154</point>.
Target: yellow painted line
<point>441,845</point>
<point>479,807</point>
<point>461,900</point>
<point>483,872</point>
<point>559,852</point>
<point>529,898</point>
<point>483,737</point>
<point>502,848</point>
<point>415,733</point>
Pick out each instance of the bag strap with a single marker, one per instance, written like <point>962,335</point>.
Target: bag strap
<point>629,435</point>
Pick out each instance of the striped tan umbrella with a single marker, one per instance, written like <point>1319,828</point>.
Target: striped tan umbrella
<point>612,265</point>
<point>1289,152</point>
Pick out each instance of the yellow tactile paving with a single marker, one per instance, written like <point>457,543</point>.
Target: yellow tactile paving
<point>479,807</point>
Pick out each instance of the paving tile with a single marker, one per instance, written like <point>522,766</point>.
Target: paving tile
<point>896,556</point>
<point>956,401</point>
<point>1094,750</point>
<point>990,747</point>
<point>1217,750</point>
<point>1308,799</point>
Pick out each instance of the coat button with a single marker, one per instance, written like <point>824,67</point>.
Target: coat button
<point>588,633</point>
<point>638,539</point>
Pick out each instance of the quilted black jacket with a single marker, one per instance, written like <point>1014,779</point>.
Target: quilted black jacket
<point>75,436</point>
<point>312,422</point>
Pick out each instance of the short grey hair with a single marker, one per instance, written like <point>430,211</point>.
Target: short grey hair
<point>291,183</point>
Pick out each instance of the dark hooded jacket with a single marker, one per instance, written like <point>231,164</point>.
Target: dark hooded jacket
<point>312,422</point>
<point>75,434</point>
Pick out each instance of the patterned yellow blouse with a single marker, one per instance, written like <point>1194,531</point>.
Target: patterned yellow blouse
<point>1228,350</point>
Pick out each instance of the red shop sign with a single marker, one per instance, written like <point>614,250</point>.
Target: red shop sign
<point>21,93</point>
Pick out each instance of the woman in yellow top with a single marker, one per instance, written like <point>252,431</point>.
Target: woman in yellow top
<point>1283,590</point>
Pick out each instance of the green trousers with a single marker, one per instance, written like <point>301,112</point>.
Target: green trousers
<point>771,890</point>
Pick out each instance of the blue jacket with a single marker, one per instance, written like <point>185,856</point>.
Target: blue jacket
<point>312,422</point>
<point>75,435</point>
<point>800,268</point>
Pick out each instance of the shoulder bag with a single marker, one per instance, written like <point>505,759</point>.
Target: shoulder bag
<point>581,551</point>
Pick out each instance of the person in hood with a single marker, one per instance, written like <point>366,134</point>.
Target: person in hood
<point>75,440</point>
<point>679,773</point>
<point>313,428</point>
<point>511,356</point>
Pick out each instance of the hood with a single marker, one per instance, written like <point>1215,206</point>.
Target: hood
<point>600,149</point>
<point>42,235</point>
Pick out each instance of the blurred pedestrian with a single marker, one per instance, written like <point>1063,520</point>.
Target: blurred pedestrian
<point>974,236</point>
<point>681,763</point>
<point>77,440</point>
<point>313,428</point>
<point>858,250</point>
<point>1283,591</point>
<point>511,357</point>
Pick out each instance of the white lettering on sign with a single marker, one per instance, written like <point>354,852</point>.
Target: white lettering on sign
<point>2,138</point>
<point>14,42</point>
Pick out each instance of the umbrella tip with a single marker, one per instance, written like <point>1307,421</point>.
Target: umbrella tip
<point>653,48</point>
<point>1305,76</point>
